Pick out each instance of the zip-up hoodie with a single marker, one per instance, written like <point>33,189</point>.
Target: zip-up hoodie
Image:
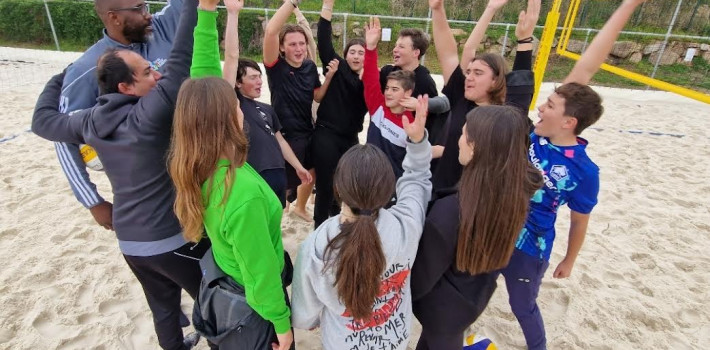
<point>131,136</point>
<point>315,299</point>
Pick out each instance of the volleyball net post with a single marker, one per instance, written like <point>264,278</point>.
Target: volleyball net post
<point>547,40</point>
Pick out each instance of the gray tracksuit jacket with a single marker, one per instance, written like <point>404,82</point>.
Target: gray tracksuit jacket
<point>80,90</point>
<point>131,136</point>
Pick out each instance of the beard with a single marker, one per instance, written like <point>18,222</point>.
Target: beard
<point>136,33</point>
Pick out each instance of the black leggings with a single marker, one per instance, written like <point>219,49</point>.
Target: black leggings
<point>326,149</point>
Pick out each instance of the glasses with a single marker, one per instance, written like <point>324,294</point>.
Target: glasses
<point>143,8</point>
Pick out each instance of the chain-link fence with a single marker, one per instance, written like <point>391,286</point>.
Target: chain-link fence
<point>668,39</point>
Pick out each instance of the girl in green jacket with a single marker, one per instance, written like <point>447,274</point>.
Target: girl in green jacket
<point>217,192</point>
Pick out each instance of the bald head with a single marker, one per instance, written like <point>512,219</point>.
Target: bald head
<point>126,21</point>
<point>103,6</point>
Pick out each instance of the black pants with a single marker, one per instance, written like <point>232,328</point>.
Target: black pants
<point>163,277</point>
<point>436,341</point>
<point>326,150</point>
<point>276,179</point>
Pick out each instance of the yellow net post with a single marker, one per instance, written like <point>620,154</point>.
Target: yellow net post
<point>544,48</point>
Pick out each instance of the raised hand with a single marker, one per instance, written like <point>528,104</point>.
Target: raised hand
<point>496,4</point>
<point>415,130</point>
<point>527,20</point>
<point>209,5</point>
<point>332,68</point>
<point>234,6</point>
<point>373,32</point>
<point>329,3</point>
<point>436,4</point>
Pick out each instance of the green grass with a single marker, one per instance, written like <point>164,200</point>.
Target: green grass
<point>693,76</point>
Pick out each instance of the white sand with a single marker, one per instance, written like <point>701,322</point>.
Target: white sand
<point>640,282</point>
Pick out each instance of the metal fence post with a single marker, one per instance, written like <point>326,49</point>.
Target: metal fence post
<point>505,40</point>
<point>586,39</point>
<point>345,30</point>
<point>428,22</point>
<point>51,25</point>
<point>665,41</point>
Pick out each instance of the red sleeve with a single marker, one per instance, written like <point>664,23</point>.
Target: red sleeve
<point>272,64</point>
<point>371,80</point>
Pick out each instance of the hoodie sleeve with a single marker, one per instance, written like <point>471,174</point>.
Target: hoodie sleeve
<point>306,307</point>
<point>205,56</point>
<point>374,98</point>
<point>156,109</point>
<point>414,187</point>
<point>254,252</point>
<point>49,123</point>
<point>326,51</point>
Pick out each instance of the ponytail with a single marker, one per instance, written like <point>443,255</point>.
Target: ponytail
<point>357,257</point>
<point>358,264</point>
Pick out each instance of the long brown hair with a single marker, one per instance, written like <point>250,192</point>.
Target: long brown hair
<point>495,188</point>
<point>205,129</point>
<point>364,180</point>
<point>496,62</point>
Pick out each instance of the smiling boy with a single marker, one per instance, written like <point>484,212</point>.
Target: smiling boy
<point>570,177</point>
<point>386,111</point>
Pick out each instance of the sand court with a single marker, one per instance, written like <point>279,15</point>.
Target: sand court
<point>640,282</point>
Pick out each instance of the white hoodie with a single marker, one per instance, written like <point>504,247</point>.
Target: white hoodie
<point>315,299</point>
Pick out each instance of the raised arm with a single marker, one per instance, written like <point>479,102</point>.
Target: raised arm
<point>326,10</point>
<point>205,56</point>
<point>370,76</point>
<point>329,71</point>
<point>273,27</point>
<point>414,187</point>
<point>444,41</point>
<point>600,47</point>
<point>231,41</point>
<point>471,45</point>
<point>303,23</point>
<point>157,107</point>
<point>326,51</point>
<point>526,25</point>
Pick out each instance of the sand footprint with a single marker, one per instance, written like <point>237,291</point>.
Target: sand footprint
<point>687,318</point>
<point>47,326</point>
<point>643,260</point>
<point>114,306</point>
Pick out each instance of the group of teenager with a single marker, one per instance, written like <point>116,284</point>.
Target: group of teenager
<point>447,194</point>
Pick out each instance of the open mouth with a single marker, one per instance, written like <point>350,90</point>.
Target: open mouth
<point>539,121</point>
